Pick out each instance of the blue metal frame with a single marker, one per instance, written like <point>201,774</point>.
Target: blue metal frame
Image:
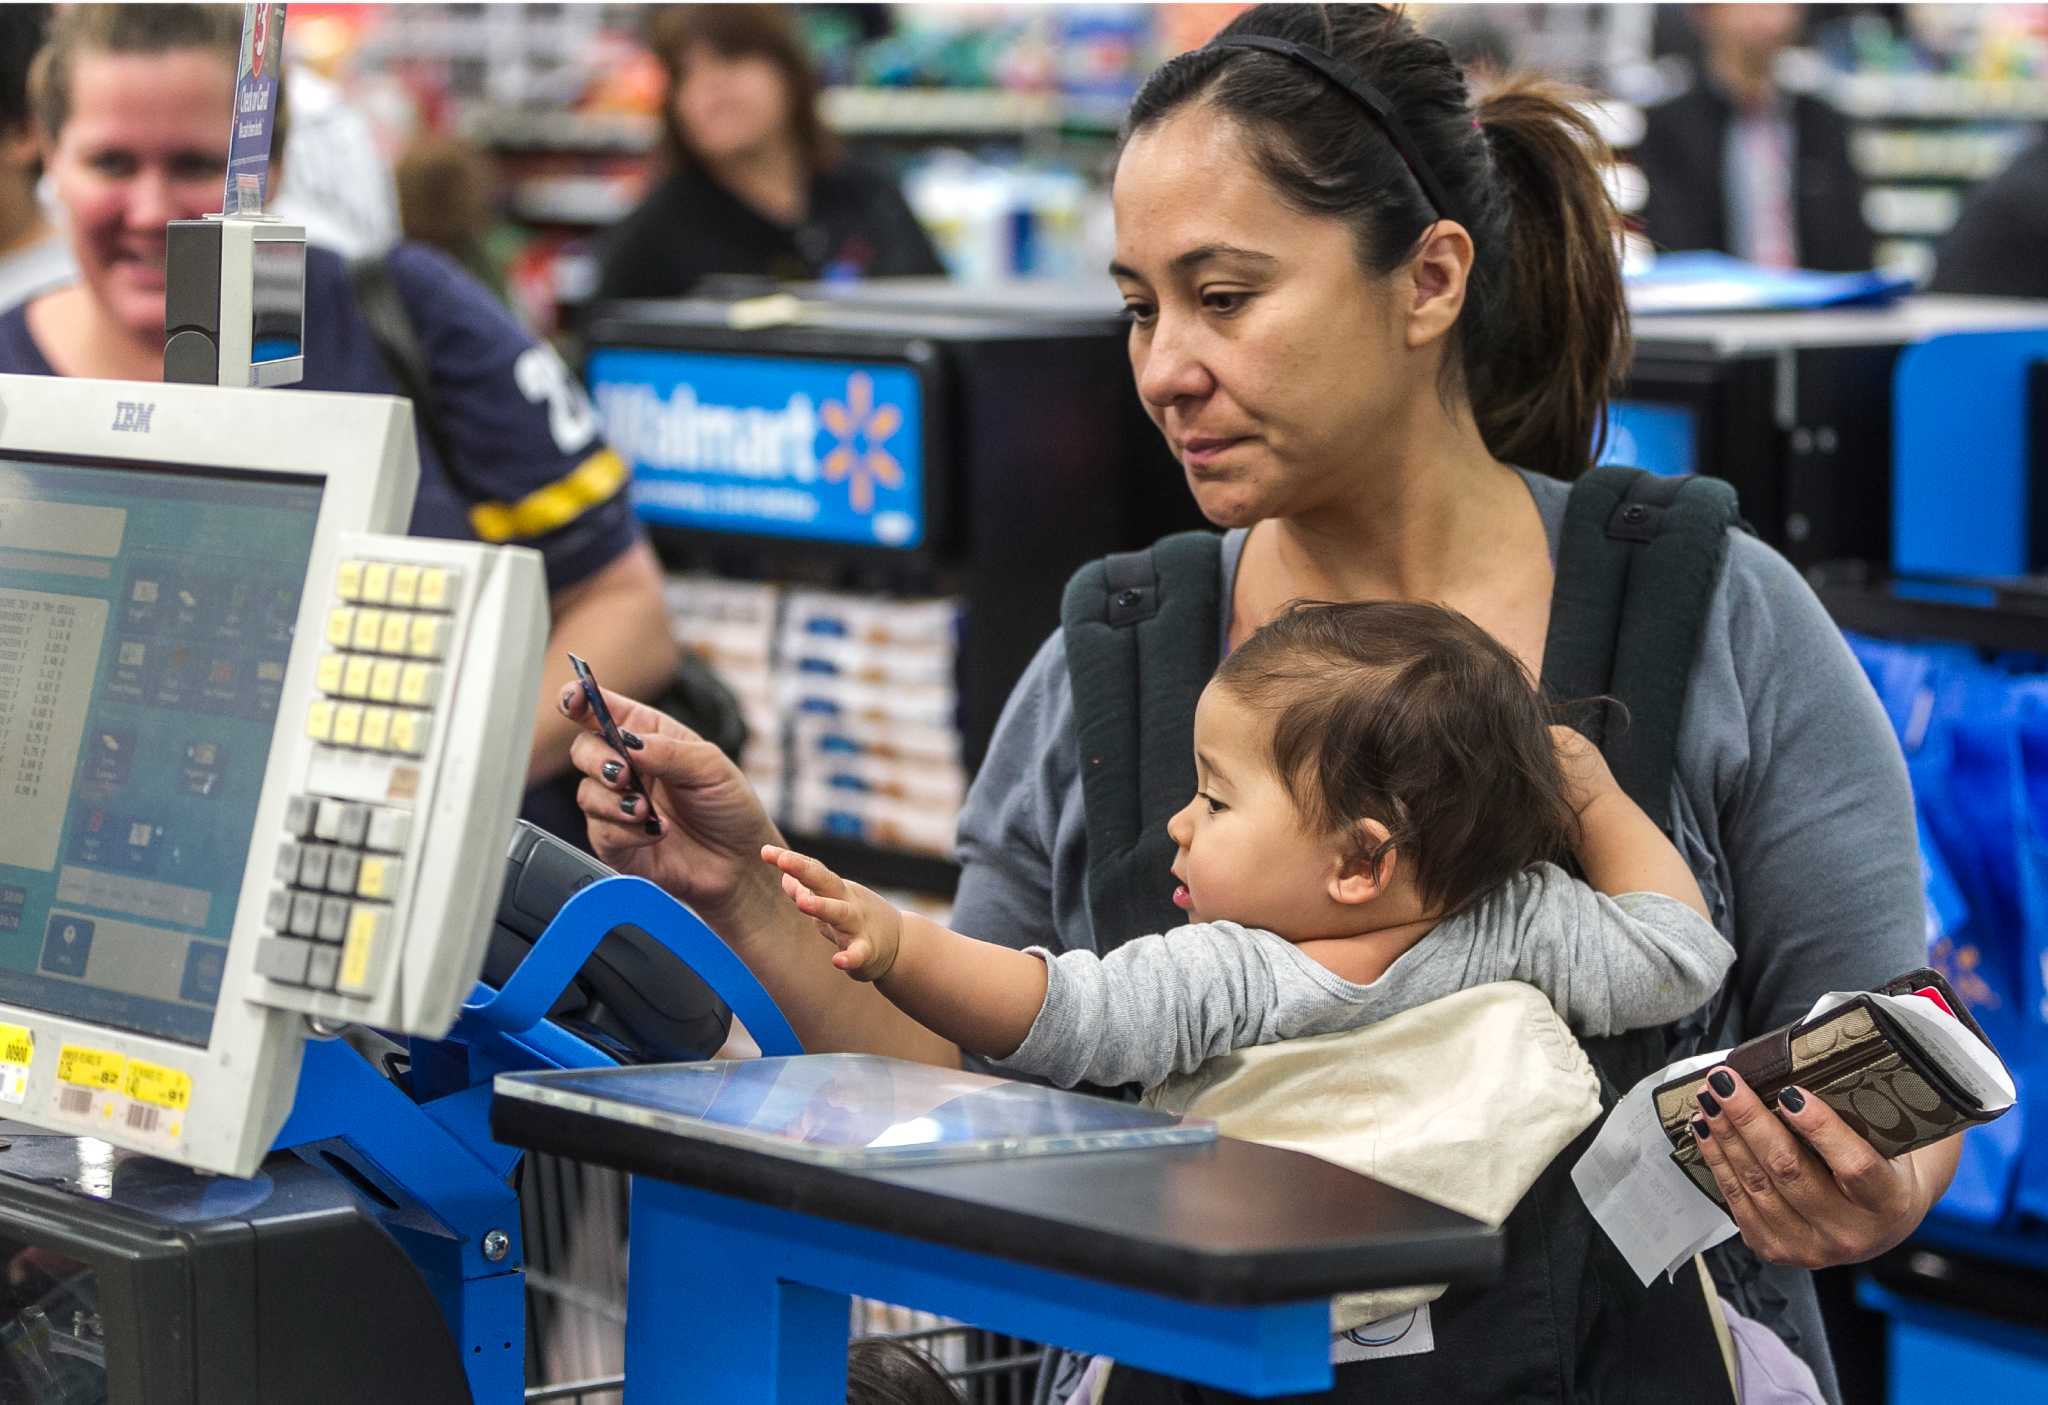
<point>427,1149</point>
<point>733,1300</point>
<point>728,1299</point>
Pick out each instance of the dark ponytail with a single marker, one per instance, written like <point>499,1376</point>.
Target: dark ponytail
<point>1539,376</point>
<point>1544,332</point>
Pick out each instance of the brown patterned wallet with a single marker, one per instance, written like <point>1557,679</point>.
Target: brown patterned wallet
<point>1860,1060</point>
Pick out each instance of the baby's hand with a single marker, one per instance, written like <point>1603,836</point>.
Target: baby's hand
<point>866,929</point>
<point>1586,776</point>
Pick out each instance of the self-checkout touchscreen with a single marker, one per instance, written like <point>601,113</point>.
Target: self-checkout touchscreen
<point>146,620</point>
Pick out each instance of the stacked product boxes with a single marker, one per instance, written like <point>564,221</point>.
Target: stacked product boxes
<point>851,702</point>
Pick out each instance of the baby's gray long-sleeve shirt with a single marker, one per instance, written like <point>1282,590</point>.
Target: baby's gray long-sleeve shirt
<point>1168,1003</point>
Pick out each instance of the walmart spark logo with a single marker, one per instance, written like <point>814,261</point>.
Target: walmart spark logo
<point>770,445</point>
<point>862,427</point>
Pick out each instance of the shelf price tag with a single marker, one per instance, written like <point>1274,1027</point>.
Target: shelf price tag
<point>17,1052</point>
<point>89,1081</point>
<point>159,1086</point>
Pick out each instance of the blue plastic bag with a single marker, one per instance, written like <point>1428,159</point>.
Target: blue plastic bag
<point>1957,721</point>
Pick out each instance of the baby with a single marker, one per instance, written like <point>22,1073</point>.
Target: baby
<point>1379,812</point>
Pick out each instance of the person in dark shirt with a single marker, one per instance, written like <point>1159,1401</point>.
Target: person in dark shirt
<point>754,183</point>
<point>1998,240</point>
<point>132,102</point>
<point>1738,164</point>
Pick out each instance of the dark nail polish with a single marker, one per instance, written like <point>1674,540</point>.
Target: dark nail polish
<point>613,770</point>
<point>1723,1082</point>
<point>1792,1100</point>
<point>630,804</point>
<point>1700,1130</point>
<point>654,826</point>
<point>1708,1104</point>
<point>632,742</point>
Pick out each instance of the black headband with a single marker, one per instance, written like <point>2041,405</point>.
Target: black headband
<point>1369,97</point>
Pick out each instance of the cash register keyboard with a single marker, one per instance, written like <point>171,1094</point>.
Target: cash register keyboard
<point>372,899</point>
<point>340,865</point>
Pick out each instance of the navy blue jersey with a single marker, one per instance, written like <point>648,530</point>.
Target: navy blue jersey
<point>511,412</point>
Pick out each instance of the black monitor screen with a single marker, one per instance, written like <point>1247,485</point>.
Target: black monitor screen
<point>145,622</point>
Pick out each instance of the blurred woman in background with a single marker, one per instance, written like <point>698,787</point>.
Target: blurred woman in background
<point>131,104</point>
<point>754,182</point>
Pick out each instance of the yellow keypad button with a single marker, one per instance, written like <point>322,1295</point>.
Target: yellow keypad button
<point>409,731</point>
<point>348,580</point>
<point>376,728</point>
<point>366,928</point>
<point>341,626</point>
<point>378,877</point>
<point>376,582</point>
<point>320,721</point>
<point>437,585</point>
<point>369,625</point>
<point>393,640</point>
<point>429,636</point>
<point>405,586</point>
<point>384,680</point>
<point>348,723</point>
<point>419,685</point>
<point>327,677</point>
<point>355,678</point>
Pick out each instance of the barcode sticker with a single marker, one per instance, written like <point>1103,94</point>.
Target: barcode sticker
<point>17,1052</point>
<point>159,1086</point>
<point>89,1083</point>
<point>143,1118</point>
<point>91,1068</point>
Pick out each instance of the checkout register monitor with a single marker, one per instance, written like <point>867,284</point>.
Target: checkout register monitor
<point>232,796</point>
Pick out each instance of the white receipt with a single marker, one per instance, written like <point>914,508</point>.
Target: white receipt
<point>1654,1215</point>
<point>1658,1218</point>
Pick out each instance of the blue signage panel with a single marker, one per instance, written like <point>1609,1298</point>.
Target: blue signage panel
<point>770,445</point>
<point>255,108</point>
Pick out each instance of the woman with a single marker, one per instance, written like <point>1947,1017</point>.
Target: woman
<point>755,184</point>
<point>1377,391</point>
<point>132,103</point>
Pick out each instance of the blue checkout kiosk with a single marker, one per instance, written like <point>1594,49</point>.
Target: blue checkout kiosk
<point>1899,455</point>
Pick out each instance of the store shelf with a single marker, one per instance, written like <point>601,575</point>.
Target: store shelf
<point>1936,96</point>
<point>1911,211</point>
<point>1892,153</point>
<point>524,129</point>
<point>2009,615</point>
<point>572,200</point>
<point>859,112</point>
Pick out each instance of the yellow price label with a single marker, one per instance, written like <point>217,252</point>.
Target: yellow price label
<point>164,1087</point>
<point>17,1045</point>
<point>91,1068</point>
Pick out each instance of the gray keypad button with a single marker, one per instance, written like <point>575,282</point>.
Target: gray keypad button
<point>288,861</point>
<point>355,825</point>
<point>321,966</point>
<point>328,823</point>
<point>299,813</point>
<point>305,914</point>
<point>277,913</point>
<point>282,959</point>
<point>313,861</point>
<point>333,919</point>
<point>342,869</point>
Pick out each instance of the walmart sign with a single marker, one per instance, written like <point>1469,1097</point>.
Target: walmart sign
<point>779,446</point>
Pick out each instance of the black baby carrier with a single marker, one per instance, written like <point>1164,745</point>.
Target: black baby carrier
<point>1636,573</point>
